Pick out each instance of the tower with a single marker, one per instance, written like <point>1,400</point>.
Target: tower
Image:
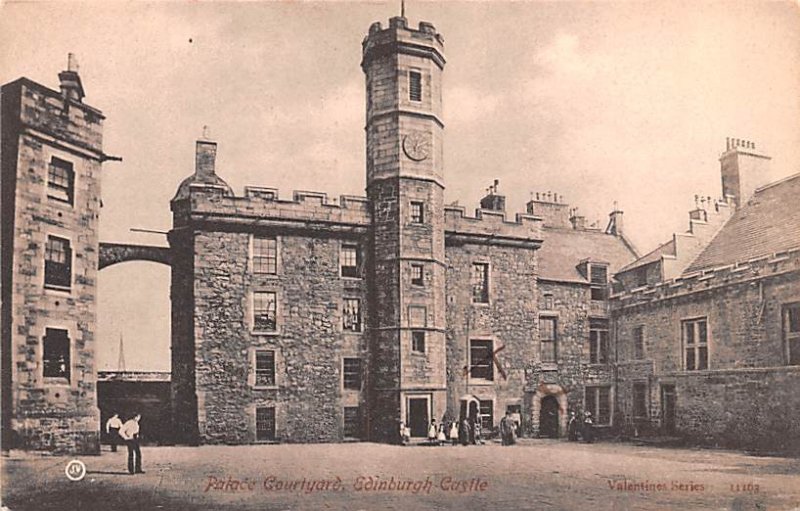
<point>404,129</point>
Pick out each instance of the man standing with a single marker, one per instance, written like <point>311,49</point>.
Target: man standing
<point>112,429</point>
<point>130,432</point>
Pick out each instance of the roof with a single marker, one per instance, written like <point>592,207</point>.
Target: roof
<point>564,249</point>
<point>768,223</point>
<point>667,248</point>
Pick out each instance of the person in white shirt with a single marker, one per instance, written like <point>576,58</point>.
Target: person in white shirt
<point>112,429</point>
<point>130,433</point>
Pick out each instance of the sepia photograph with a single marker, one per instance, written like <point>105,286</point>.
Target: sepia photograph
<point>400,255</point>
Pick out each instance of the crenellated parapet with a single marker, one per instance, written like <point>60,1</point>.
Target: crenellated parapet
<point>767,266</point>
<point>263,207</point>
<point>490,226</point>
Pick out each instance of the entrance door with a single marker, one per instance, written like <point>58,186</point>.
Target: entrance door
<point>418,416</point>
<point>668,397</point>
<point>548,417</point>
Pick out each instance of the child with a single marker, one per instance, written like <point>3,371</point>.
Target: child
<point>441,438</point>
<point>454,433</point>
<point>432,431</point>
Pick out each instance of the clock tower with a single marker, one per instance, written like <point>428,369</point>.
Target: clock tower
<point>403,68</point>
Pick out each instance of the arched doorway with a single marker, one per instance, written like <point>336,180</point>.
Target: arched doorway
<point>548,417</point>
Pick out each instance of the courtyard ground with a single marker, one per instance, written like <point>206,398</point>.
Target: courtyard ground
<point>535,474</point>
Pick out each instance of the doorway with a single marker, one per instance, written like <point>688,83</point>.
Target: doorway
<point>548,417</point>
<point>418,418</point>
<point>668,398</point>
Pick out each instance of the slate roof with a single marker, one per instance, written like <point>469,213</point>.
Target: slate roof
<point>564,249</point>
<point>667,248</point>
<point>768,223</point>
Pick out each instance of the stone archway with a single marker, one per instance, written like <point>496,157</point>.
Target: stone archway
<point>559,394</point>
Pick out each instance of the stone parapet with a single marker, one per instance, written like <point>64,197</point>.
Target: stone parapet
<point>758,268</point>
<point>209,202</point>
<point>488,226</point>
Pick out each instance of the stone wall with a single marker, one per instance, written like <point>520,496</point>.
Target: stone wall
<point>747,384</point>
<point>57,414</point>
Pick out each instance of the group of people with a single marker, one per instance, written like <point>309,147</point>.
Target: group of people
<point>128,432</point>
<point>582,427</point>
<point>463,431</point>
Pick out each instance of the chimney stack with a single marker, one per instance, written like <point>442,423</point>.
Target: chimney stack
<point>205,156</point>
<point>743,168</point>
<point>71,86</point>
<point>493,200</point>
<point>578,221</point>
<point>615,222</point>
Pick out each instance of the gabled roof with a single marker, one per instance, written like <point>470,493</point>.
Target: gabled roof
<point>667,248</point>
<point>564,249</point>
<point>768,223</point>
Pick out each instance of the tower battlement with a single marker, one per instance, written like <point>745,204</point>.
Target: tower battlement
<point>492,225</point>
<point>383,41</point>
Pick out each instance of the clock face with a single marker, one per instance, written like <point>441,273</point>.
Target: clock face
<point>416,146</point>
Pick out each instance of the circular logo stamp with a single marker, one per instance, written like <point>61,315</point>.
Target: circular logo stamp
<point>75,470</point>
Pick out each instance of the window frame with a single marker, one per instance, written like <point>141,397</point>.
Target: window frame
<point>418,274</point>
<point>599,344</point>
<point>480,290</point>
<point>695,346</point>
<point>353,373</point>
<point>257,370</point>
<point>49,264</point>
<point>553,341</point>
<point>254,312</point>
<point>418,336</point>
<point>417,212</point>
<point>357,425</point>
<point>67,189</point>
<point>256,259</point>
<point>350,271</point>
<point>64,375</point>
<point>640,410</point>
<point>489,359</point>
<point>352,327</point>
<point>638,342</point>
<point>487,419</point>
<point>596,415</point>
<point>598,289</point>
<point>415,85</point>
<point>790,337</point>
<point>274,431</point>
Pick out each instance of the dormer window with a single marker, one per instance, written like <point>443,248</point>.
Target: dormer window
<point>598,277</point>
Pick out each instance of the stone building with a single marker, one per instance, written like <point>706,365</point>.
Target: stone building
<point>52,150</point>
<point>708,330</point>
<point>315,320</point>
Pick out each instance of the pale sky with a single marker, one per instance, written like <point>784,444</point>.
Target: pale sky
<point>600,102</point>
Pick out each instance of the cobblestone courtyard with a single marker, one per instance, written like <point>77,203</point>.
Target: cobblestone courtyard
<point>536,474</point>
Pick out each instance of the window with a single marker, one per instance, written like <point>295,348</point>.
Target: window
<point>598,341</point>
<point>487,415</point>
<point>352,422</point>
<point>640,400</point>
<point>418,341</point>
<point>350,261</point>
<point>56,360</point>
<point>791,333</point>
<point>480,359</point>
<point>414,86</point>
<point>695,344</point>
<point>547,338</point>
<point>480,282</point>
<point>265,368</point>
<point>265,423</point>
<point>417,212</point>
<point>352,373</point>
<point>549,302</point>
<point>598,402</point>
<point>265,255</point>
<point>264,311</point>
<point>351,316</point>
<point>598,276</point>
<point>638,342</point>
<point>61,180</point>
<point>57,263</point>
<point>416,275</point>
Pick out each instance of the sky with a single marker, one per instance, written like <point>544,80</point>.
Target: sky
<point>600,102</point>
